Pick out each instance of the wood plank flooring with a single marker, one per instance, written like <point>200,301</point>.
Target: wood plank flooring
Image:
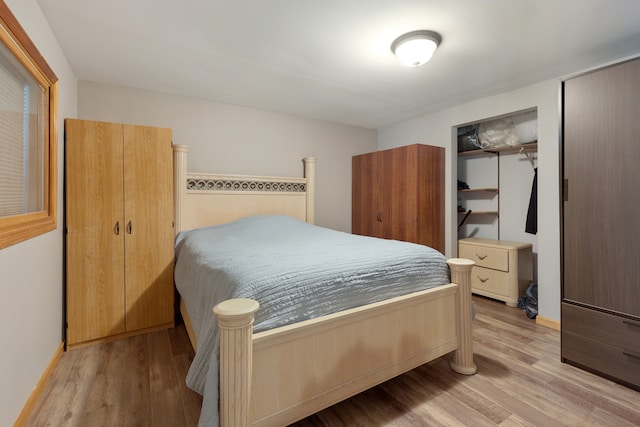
<point>139,381</point>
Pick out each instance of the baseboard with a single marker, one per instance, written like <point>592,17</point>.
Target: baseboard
<point>35,394</point>
<point>549,323</point>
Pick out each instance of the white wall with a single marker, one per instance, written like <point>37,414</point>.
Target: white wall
<point>440,129</point>
<point>31,271</point>
<point>238,140</point>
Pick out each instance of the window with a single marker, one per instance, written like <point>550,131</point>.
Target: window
<point>28,136</point>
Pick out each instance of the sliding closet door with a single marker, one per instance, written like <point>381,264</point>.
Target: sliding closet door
<point>601,236</point>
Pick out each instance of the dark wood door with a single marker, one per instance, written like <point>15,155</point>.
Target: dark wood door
<point>399,194</point>
<point>366,195</point>
<point>400,205</point>
<point>601,160</point>
<point>430,178</point>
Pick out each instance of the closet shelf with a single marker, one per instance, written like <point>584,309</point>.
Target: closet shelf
<point>478,213</point>
<point>530,147</point>
<point>478,190</point>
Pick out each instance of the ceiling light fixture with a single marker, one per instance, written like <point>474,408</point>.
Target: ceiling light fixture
<point>415,48</point>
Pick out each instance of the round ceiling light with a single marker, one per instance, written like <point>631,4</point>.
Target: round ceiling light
<point>415,48</point>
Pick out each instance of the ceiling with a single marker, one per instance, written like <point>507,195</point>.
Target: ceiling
<point>331,59</point>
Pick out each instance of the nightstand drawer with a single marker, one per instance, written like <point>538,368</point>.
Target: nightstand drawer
<point>484,256</point>
<point>486,279</point>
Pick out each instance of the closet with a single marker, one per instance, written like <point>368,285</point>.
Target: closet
<point>600,328</point>
<point>496,172</point>
<point>495,178</point>
<point>399,194</point>
<point>118,230</point>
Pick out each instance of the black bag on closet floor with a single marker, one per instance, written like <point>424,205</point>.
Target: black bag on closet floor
<point>529,302</point>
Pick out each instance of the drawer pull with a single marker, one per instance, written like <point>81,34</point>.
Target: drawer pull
<point>481,257</point>
<point>483,280</point>
<point>630,353</point>
<point>631,323</point>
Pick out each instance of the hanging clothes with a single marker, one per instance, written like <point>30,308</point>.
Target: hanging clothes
<point>532,214</point>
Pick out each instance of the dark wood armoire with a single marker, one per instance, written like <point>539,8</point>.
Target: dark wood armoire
<point>399,194</point>
<point>600,222</point>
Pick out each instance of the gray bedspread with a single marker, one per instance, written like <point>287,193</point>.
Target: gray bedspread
<point>296,271</point>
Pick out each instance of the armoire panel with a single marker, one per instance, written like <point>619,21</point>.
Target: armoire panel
<point>602,207</point>
<point>601,240</point>
<point>119,230</point>
<point>367,195</point>
<point>94,230</point>
<point>150,232</point>
<point>399,194</point>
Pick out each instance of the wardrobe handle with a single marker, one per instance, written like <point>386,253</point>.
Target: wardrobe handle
<point>379,216</point>
<point>129,227</point>
<point>630,353</point>
<point>631,323</point>
<point>481,257</point>
<point>116,228</point>
<point>481,279</point>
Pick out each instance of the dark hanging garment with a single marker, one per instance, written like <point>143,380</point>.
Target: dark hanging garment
<point>532,213</point>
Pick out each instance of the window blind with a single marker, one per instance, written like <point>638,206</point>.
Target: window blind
<point>13,149</point>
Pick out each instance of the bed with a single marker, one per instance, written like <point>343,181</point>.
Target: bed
<point>274,370</point>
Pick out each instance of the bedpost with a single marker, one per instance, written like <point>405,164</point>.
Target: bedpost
<point>462,361</point>
<point>179,182</point>
<point>310,175</point>
<point>235,320</point>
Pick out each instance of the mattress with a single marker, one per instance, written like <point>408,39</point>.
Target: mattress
<point>296,271</point>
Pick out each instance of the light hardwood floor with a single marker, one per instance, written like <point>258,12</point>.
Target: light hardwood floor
<point>139,381</point>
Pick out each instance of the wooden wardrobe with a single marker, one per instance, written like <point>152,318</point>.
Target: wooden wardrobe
<point>119,230</point>
<point>600,229</point>
<point>399,194</point>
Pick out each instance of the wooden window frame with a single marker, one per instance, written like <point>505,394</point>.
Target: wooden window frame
<point>18,228</point>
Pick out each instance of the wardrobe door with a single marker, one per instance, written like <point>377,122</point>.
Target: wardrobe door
<point>148,190</point>
<point>366,193</point>
<point>601,155</point>
<point>413,188</point>
<point>94,230</point>
<point>400,194</point>
<point>430,186</point>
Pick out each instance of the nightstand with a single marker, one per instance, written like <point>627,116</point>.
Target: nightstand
<point>503,269</point>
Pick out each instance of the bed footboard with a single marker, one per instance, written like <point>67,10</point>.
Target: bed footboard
<point>462,361</point>
<point>235,320</point>
<point>279,376</point>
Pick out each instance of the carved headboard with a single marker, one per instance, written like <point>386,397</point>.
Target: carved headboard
<point>203,199</point>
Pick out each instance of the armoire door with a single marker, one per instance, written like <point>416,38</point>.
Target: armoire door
<point>384,194</point>
<point>430,196</point>
<point>601,237</point>
<point>399,194</point>
<point>413,201</point>
<point>149,232</point>
<point>367,195</point>
<point>399,187</point>
<point>95,230</point>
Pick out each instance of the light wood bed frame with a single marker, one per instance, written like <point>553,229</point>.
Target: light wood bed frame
<point>282,375</point>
